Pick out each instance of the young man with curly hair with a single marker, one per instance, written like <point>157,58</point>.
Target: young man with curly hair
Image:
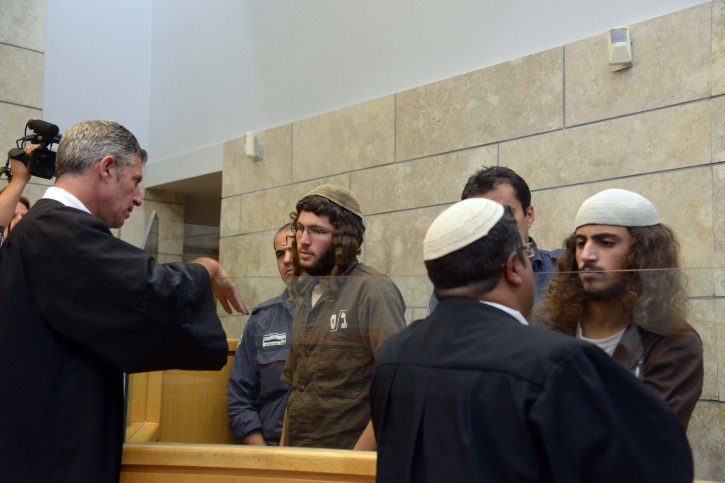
<point>619,287</point>
<point>344,311</point>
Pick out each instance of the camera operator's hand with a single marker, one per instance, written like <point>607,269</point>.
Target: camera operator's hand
<point>20,172</point>
<point>20,169</point>
<point>14,190</point>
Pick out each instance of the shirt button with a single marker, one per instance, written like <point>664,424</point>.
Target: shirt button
<point>302,388</point>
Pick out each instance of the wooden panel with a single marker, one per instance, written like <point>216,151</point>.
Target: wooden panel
<point>194,407</point>
<point>184,406</point>
<point>163,463</point>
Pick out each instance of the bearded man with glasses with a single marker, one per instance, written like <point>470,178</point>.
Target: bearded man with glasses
<point>344,311</point>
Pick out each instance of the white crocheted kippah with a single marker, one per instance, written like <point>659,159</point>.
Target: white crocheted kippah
<point>460,225</point>
<point>617,207</point>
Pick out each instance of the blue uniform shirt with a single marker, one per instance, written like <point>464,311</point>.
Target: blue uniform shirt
<point>256,397</point>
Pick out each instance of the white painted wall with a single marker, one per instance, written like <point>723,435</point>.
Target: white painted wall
<point>98,63</point>
<point>187,75</point>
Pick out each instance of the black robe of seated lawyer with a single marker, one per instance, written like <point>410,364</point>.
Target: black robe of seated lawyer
<point>77,308</point>
<point>471,395</point>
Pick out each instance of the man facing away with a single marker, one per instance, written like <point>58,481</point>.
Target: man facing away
<point>345,311</point>
<point>471,393</point>
<point>80,307</point>
<point>620,288</point>
<point>505,186</point>
<point>256,396</point>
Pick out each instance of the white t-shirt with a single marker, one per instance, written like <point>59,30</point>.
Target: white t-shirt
<point>607,345</point>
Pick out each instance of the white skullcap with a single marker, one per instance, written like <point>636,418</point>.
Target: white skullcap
<point>617,207</point>
<point>460,225</point>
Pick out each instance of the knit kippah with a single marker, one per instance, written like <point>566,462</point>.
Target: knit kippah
<point>617,207</point>
<point>460,225</point>
<point>338,195</point>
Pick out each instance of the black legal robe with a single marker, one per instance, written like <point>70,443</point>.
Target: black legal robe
<point>469,394</point>
<point>78,307</point>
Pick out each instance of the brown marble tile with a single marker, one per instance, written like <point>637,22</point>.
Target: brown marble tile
<point>249,256</point>
<point>416,291</point>
<point>720,349</point>
<point>134,228</point>
<point>348,139</point>
<point>645,143</point>
<point>151,194</point>
<point>270,209</point>
<point>718,129</point>
<point>22,23</point>
<point>706,441</point>
<point>424,182</point>
<point>718,47</point>
<point>718,201</point>
<point>242,174</point>
<point>667,69</point>
<point>21,76</point>
<point>683,199</point>
<point>702,318</point>
<point>229,220</point>
<point>509,100</point>
<point>400,236</point>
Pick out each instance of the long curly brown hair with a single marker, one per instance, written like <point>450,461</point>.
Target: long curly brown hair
<point>346,240</point>
<point>655,298</point>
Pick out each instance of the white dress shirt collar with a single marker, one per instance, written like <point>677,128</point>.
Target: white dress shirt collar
<point>514,313</point>
<point>62,196</point>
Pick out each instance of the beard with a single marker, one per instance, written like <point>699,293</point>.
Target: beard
<point>617,289</point>
<point>321,267</point>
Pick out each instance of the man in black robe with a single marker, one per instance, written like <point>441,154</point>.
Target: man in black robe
<point>78,307</point>
<point>472,394</point>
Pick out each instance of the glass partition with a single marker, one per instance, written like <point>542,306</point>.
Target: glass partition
<point>191,406</point>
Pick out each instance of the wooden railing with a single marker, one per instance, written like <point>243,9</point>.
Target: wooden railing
<point>172,413</point>
<point>186,463</point>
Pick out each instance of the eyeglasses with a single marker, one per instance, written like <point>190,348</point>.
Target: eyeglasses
<point>529,249</point>
<point>313,231</point>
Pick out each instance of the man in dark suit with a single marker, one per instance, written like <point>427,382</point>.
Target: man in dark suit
<point>472,394</point>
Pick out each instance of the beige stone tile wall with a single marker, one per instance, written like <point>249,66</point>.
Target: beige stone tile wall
<point>718,47</point>
<point>169,208</point>
<point>247,175</point>
<point>350,139</point>
<point>413,184</point>
<point>668,68</point>
<point>506,101</point>
<point>22,23</point>
<point>22,42</point>
<point>653,141</point>
<point>683,199</point>
<point>23,76</point>
<point>560,118</point>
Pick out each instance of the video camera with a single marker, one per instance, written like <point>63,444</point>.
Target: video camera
<point>40,162</point>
